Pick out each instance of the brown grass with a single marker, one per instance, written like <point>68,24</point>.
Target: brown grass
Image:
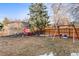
<point>33,46</point>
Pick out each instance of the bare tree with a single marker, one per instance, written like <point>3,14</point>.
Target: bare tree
<point>6,21</point>
<point>59,13</point>
<point>74,11</point>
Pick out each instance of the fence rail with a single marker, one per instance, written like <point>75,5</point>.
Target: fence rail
<point>67,31</point>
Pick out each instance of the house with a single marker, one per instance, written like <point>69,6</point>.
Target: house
<point>13,27</point>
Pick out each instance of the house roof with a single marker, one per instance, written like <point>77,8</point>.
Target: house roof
<point>18,22</point>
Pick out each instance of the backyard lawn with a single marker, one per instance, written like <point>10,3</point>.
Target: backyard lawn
<point>36,46</point>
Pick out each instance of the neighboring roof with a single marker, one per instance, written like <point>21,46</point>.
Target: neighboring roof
<point>18,22</point>
<point>14,22</point>
<point>75,23</point>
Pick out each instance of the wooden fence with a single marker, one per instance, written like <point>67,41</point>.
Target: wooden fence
<point>67,31</point>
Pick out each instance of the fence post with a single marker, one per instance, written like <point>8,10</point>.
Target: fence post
<point>73,36</point>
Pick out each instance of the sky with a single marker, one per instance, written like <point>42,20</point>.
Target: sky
<point>14,10</point>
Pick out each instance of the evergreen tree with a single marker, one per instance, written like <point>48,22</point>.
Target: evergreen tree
<point>1,26</point>
<point>38,17</point>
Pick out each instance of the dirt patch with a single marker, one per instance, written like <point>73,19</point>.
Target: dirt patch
<point>34,46</point>
<point>22,46</point>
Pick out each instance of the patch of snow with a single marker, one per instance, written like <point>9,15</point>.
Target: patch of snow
<point>46,54</point>
<point>74,54</point>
